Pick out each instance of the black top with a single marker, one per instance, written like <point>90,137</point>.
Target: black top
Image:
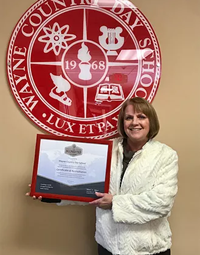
<point>127,156</point>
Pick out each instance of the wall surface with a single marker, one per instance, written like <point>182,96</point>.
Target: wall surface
<point>31,227</point>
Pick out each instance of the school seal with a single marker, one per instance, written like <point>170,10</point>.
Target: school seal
<point>72,63</point>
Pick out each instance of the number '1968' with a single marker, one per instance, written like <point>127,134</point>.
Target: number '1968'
<point>94,65</point>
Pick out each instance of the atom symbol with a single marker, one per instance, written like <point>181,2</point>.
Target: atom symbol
<point>56,38</point>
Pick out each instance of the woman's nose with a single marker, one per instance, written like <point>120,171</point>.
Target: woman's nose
<point>135,121</point>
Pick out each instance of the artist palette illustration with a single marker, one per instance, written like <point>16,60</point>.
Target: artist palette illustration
<point>71,64</point>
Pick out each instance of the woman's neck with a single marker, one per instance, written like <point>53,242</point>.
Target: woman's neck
<point>135,146</point>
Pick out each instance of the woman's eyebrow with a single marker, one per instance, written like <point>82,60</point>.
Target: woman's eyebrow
<point>140,113</point>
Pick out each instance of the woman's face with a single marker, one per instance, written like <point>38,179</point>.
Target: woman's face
<point>136,125</point>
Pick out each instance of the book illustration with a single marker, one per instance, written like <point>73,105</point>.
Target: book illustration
<point>109,92</point>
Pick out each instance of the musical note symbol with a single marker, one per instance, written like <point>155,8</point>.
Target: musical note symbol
<point>108,39</point>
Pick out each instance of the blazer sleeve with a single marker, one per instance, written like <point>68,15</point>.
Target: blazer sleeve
<point>152,204</point>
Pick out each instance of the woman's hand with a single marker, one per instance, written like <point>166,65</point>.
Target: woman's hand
<point>34,197</point>
<point>104,202</point>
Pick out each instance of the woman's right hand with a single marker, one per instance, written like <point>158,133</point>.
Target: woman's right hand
<point>42,199</point>
<point>34,197</point>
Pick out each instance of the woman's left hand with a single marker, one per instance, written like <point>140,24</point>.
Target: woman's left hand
<point>104,202</point>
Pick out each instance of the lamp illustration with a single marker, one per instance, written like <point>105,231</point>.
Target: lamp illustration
<point>85,57</point>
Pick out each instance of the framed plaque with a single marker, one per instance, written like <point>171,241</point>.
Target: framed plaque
<point>70,168</point>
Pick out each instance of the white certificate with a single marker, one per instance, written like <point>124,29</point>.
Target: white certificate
<point>71,168</point>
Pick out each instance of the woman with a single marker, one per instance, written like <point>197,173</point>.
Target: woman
<point>132,218</point>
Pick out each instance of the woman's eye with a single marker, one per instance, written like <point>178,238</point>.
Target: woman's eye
<point>142,117</point>
<point>128,118</point>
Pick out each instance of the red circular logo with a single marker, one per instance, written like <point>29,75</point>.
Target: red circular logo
<point>72,63</point>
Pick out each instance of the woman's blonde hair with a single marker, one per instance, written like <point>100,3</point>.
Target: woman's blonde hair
<point>143,106</point>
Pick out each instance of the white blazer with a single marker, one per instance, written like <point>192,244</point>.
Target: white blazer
<point>137,223</point>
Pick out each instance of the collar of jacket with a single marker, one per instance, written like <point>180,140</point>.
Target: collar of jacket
<point>120,145</point>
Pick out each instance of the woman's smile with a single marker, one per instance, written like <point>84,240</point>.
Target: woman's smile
<point>136,126</point>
